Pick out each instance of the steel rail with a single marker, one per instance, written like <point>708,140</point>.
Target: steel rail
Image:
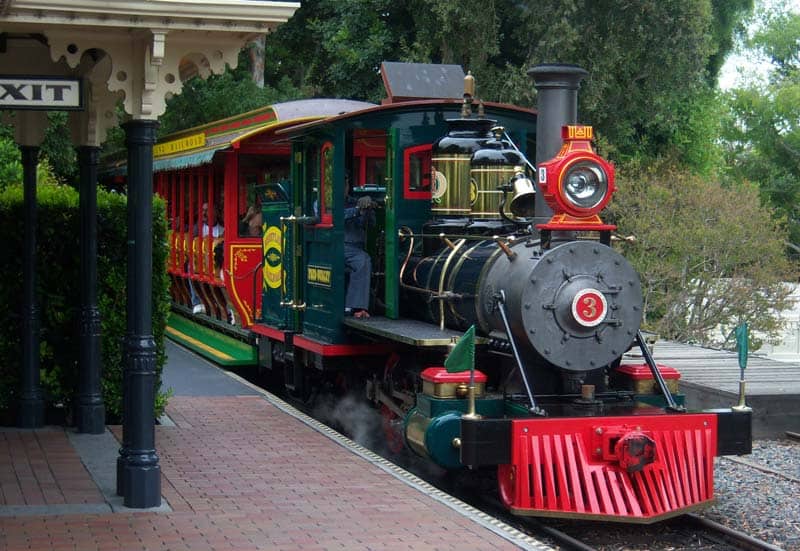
<point>527,525</point>
<point>746,541</point>
<point>759,467</point>
<point>561,537</point>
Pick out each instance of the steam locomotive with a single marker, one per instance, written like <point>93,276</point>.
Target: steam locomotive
<point>559,393</point>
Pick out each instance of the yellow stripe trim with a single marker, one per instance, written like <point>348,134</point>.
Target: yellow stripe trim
<point>198,344</point>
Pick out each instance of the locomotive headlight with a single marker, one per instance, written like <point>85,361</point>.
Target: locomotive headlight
<point>585,186</point>
<point>576,184</point>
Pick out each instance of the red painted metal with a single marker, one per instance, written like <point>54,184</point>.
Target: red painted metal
<point>583,467</point>
<point>324,349</point>
<point>441,375</point>
<point>270,332</point>
<point>241,268</point>
<point>424,151</point>
<point>638,372</point>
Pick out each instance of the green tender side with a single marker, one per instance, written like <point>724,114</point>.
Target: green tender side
<point>220,349</point>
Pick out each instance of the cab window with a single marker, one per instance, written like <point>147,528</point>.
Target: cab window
<point>417,172</point>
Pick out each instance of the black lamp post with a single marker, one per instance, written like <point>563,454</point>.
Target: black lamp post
<point>31,402</point>
<point>138,462</point>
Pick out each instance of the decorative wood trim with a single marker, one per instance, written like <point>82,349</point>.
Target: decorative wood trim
<point>220,15</point>
<point>151,44</point>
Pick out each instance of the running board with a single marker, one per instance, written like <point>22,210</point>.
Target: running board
<point>405,331</point>
<point>220,349</point>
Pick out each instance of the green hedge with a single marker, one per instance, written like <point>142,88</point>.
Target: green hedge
<point>58,293</point>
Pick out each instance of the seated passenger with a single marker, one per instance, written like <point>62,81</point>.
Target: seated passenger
<point>357,216</point>
<point>218,230</point>
<point>250,224</point>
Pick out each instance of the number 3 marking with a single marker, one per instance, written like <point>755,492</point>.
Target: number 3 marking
<point>591,307</point>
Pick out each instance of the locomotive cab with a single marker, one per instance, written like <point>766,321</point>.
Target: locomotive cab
<point>397,170</point>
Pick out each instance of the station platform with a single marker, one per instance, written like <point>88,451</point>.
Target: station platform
<point>710,379</point>
<point>240,470</point>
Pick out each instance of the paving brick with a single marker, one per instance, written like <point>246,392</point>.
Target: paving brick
<point>238,474</point>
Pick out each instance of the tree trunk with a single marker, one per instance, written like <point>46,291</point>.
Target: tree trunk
<point>257,60</point>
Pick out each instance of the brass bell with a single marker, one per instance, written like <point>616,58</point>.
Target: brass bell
<point>522,205</point>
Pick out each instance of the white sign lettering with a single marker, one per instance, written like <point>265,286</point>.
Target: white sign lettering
<point>50,93</point>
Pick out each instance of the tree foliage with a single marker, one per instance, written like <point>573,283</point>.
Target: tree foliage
<point>700,244</point>
<point>221,96</point>
<point>11,165</point>
<point>651,61</point>
<point>56,156</point>
<point>762,135</point>
<point>334,49</point>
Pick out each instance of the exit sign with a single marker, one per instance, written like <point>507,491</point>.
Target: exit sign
<point>46,93</point>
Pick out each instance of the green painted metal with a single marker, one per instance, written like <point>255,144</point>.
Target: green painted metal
<point>323,245</point>
<point>440,419</point>
<point>207,342</point>
<point>742,345</point>
<point>297,255</point>
<point>278,262</point>
<point>439,436</point>
<point>392,265</point>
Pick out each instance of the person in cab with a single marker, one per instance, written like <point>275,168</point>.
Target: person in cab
<point>358,215</point>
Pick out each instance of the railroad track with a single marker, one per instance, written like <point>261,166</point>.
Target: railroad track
<point>725,535</point>
<point>685,533</point>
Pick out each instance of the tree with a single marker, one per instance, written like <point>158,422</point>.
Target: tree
<point>762,134</point>
<point>221,96</point>
<point>651,62</point>
<point>710,257</point>
<point>10,162</point>
<point>334,49</point>
<point>466,33</point>
<point>730,17</point>
<point>649,65</point>
<point>57,159</point>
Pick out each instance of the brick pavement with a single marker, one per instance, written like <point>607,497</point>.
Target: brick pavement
<point>240,474</point>
<point>40,467</point>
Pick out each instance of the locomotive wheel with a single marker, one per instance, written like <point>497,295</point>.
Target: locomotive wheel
<point>392,430</point>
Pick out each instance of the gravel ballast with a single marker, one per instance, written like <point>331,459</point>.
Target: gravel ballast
<point>765,502</point>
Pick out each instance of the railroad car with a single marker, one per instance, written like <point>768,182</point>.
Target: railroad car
<point>504,328</point>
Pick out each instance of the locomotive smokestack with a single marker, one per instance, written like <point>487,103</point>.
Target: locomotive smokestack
<point>557,101</point>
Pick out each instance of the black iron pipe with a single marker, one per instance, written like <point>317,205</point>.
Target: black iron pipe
<point>662,384</point>
<point>557,105</point>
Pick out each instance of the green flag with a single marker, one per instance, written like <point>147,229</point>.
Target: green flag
<point>741,344</point>
<point>462,356</point>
